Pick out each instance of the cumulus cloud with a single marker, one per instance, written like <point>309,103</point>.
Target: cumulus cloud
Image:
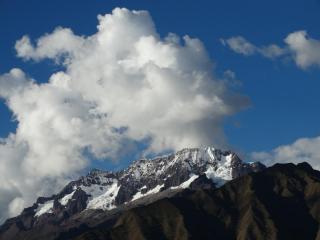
<point>61,42</point>
<point>304,51</point>
<point>302,150</point>
<point>13,83</point>
<point>120,86</point>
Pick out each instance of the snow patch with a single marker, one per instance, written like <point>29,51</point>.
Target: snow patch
<point>46,207</point>
<point>209,151</point>
<point>63,201</point>
<point>151,191</point>
<point>187,183</point>
<point>102,197</point>
<point>222,172</point>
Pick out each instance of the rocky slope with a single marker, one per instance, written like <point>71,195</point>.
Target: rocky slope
<point>281,202</point>
<point>103,195</point>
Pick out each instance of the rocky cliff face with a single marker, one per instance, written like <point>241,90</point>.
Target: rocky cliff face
<point>143,182</point>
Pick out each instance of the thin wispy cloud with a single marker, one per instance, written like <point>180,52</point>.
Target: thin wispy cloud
<point>302,49</point>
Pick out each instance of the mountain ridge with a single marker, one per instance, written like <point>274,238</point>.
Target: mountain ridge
<point>278,202</point>
<point>112,191</point>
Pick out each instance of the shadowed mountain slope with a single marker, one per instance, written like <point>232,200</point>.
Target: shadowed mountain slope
<point>281,202</point>
<point>103,194</point>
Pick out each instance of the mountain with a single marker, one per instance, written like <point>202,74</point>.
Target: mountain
<point>102,195</point>
<point>281,202</point>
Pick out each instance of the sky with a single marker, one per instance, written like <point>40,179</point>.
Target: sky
<point>80,91</point>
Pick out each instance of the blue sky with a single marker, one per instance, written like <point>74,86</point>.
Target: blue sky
<point>127,88</point>
<point>284,98</point>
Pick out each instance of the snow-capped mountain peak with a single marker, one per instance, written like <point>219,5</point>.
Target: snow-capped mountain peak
<point>145,177</point>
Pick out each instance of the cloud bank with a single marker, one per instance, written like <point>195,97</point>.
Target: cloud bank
<point>302,150</point>
<point>121,86</point>
<point>304,50</point>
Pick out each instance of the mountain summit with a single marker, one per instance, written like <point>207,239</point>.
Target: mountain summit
<point>144,181</point>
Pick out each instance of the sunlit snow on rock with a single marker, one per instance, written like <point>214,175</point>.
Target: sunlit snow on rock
<point>44,208</point>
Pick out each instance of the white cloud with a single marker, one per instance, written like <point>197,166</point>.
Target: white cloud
<point>240,45</point>
<point>305,51</point>
<point>122,85</point>
<point>302,150</point>
<point>16,206</point>
<point>13,82</point>
<point>272,51</point>
<point>55,45</point>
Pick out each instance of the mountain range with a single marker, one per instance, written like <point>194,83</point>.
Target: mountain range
<point>198,193</point>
